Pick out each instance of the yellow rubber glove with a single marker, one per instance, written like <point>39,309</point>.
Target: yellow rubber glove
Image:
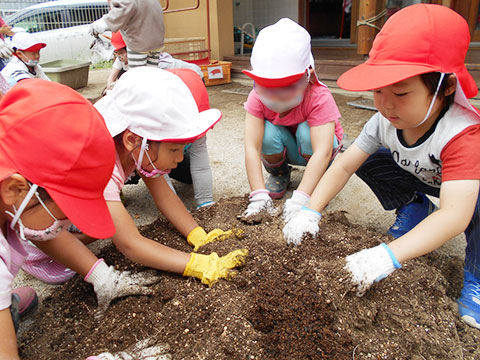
<point>211,268</point>
<point>198,237</point>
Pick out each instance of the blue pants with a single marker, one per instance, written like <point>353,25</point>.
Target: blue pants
<point>395,187</point>
<point>276,138</point>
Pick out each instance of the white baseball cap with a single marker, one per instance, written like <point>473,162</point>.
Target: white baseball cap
<point>25,41</point>
<point>281,54</point>
<point>156,105</point>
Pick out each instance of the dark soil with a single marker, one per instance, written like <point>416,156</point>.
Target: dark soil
<point>286,303</point>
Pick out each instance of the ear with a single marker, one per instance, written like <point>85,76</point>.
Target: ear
<point>13,189</point>
<point>131,141</point>
<point>452,85</point>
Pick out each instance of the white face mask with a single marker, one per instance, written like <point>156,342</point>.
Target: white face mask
<point>26,233</point>
<point>29,62</point>
<point>280,106</point>
<point>427,115</point>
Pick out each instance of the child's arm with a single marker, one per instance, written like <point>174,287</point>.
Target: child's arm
<point>170,205</point>
<point>322,144</point>
<point>8,339</point>
<point>334,179</point>
<point>458,199</point>
<point>140,249</point>
<point>112,77</point>
<point>254,130</point>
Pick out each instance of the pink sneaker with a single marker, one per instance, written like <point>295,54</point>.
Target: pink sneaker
<point>24,301</point>
<point>39,265</point>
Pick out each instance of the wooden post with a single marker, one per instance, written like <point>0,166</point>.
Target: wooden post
<point>366,34</point>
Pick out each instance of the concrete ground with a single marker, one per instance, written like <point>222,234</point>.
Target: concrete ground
<point>225,144</point>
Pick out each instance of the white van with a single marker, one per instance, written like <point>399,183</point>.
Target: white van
<point>63,25</point>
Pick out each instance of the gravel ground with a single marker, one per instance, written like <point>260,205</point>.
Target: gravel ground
<point>225,144</point>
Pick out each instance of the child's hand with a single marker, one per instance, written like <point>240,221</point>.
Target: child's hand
<point>98,27</point>
<point>294,204</point>
<point>198,237</point>
<point>302,223</point>
<point>143,350</point>
<point>260,203</point>
<point>211,268</point>
<point>371,265</point>
<point>5,51</point>
<point>109,283</point>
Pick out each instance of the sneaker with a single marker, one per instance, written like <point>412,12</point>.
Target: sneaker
<point>469,301</point>
<point>24,301</point>
<point>410,215</point>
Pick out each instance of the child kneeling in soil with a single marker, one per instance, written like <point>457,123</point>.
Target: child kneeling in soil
<point>152,115</point>
<point>291,118</point>
<point>425,139</point>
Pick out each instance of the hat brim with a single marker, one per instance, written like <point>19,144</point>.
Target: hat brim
<point>273,83</point>
<point>91,216</point>
<point>206,120</point>
<point>36,47</point>
<point>366,76</point>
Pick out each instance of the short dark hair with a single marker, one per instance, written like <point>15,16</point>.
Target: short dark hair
<point>431,80</point>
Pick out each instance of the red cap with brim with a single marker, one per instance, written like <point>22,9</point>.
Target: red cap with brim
<point>274,83</point>
<point>36,47</point>
<point>416,40</point>
<point>56,139</point>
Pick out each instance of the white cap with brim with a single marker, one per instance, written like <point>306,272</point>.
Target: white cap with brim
<point>26,42</point>
<point>157,105</point>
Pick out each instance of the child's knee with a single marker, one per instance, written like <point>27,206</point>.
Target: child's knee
<point>304,141</point>
<point>272,139</point>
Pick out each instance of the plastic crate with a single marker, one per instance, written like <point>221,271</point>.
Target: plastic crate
<point>191,48</point>
<point>217,72</point>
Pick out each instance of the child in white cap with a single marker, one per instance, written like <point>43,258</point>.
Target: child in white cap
<point>25,62</point>
<point>151,115</point>
<point>142,28</point>
<point>291,118</point>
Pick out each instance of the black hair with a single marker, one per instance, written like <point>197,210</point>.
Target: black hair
<point>431,80</point>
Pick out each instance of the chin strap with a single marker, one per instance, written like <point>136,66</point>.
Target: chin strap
<point>442,75</point>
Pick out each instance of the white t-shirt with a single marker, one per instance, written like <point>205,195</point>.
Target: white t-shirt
<point>448,151</point>
<point>16,70</point>
<point>119,65</point>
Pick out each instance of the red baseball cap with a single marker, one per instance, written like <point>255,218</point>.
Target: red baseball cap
<point>56,139</point>
<point>195,85</point>
<point>117,41</point>
<point>418,39</point>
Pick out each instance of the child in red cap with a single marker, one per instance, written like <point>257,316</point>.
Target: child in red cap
<point>120,65</point>
<point>425,139</point>
<point>51,175</point>
<point>291,118</point>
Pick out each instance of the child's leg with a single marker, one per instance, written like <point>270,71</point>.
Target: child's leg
<point>469,301</point>
<point>278,144</point>
<point>136,59</point>
<point>201,172</point>
<point>396,188</point>
<point>304,142</point>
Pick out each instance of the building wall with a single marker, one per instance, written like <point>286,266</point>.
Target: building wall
<point>262,13</point>
<point>194,24</point>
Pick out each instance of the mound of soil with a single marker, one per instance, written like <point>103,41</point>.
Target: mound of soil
<point>286,303</point>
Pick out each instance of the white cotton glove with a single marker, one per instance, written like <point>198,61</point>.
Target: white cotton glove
<point>109,283</point>
<point>371,265</point>
<point>294,204</point>
<point>98,27</point>
<point>260,202</point>
<point>143,350</point>
<point>302,223</point>
<point>5,51</point>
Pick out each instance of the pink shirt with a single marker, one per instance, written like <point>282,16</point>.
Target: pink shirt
<point>115,185</point>
<point>318,107</point>
<point>12,256</point>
